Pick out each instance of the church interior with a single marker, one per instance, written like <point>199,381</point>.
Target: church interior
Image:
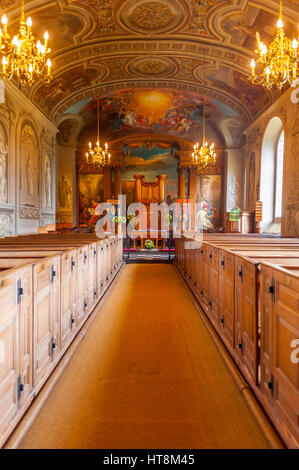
<point>116,333</point>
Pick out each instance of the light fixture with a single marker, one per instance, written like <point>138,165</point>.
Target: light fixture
<point>277,65</point>
<point>23,57</point>
<point>98,155</point>
<point>204,155</point>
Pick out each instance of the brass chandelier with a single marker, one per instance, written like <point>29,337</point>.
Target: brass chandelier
<point>98,156</point>
<point>203,156</point>
<point>277,65</point>
<point>23,57</point>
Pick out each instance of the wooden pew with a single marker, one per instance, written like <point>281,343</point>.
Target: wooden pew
<point>225,276</point>
<point>49,287</point>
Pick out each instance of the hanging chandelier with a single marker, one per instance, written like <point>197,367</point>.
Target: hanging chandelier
<point>203,155</point>
<point>23,57</point>
<point>277,65</point>
<point>98,155</point>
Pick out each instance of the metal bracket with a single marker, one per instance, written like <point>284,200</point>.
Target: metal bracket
<point>20,292</point>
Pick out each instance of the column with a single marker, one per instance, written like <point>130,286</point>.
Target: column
<point>181,183</point>
<point>117,182</point>
<point>162,187</point>
<point>107,183</point>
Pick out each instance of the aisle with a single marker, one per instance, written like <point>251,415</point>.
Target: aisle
<point>147,375</point>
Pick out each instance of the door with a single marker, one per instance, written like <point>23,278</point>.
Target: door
<point>266,334</point>
<point>285,362</point>
<point>68,297</point>
<point>25,283</point>
<point>46,276</point>
<point>227,297</point>
<point>213,286</point>
<point>9,350</point>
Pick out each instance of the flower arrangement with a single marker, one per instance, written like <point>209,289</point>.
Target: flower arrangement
<point>149,244</point>
<point>119,220</point>
<point>168,218</point>
<point>131,217</point>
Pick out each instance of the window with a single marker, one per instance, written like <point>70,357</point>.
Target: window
<point>272,176</point>
<point>279,176</point>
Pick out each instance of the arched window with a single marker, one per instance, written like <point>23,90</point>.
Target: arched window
<point>272,176</point>
<point>279,176</point>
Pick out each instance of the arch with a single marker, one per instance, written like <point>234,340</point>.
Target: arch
<point>268,173</point>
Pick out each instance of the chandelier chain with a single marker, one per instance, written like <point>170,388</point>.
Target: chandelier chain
<point>204,156</point>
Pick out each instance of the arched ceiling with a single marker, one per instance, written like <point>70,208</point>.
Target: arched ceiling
<point>111,45</point>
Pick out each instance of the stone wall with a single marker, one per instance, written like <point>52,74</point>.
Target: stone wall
<point>27,165</point>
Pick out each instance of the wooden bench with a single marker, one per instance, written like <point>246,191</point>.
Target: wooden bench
<point>225,276</point>
<point>48,289</point>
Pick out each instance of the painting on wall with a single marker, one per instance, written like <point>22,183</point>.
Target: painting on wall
<point>91,193</point>
<point>151,160</point>
<point>208,196</point>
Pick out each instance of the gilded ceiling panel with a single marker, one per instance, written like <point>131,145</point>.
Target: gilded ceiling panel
<point>125,43</point>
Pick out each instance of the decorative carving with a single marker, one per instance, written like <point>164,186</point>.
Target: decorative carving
<point>29,167</point>
<point>66,128</point>
<point>47,219</point>
<point>3,165</point>
<point>6,3</point>
<point>29,175</point>
<point>254,135</point>
<point>29,213</point>
<point>6,225</point>
<point>65,192</point>
<point>151,15</point>
<point>200,10</point>
<point>151,67</point>
<point>48,182</point>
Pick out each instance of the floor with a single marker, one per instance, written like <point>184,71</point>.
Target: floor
<point>147,375</point>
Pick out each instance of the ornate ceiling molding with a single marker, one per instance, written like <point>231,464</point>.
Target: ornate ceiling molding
<point>152,40</point>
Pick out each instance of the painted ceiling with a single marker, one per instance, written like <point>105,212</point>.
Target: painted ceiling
<point>153,110</point>
<point>109,46</point>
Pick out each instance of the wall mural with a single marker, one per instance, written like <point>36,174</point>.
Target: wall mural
<point>165,111</point>
<point>150,160</point>
<point>208,195</point>
<point>91,192</point>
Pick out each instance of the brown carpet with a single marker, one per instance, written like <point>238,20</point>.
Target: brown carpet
<point>147,375</point>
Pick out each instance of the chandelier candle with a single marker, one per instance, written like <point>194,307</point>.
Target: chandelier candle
<point>277,65</point>
<point>22,57</point>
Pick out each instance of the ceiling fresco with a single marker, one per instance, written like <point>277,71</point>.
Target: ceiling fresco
<point>157,111</point>
<point>101,46</point>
